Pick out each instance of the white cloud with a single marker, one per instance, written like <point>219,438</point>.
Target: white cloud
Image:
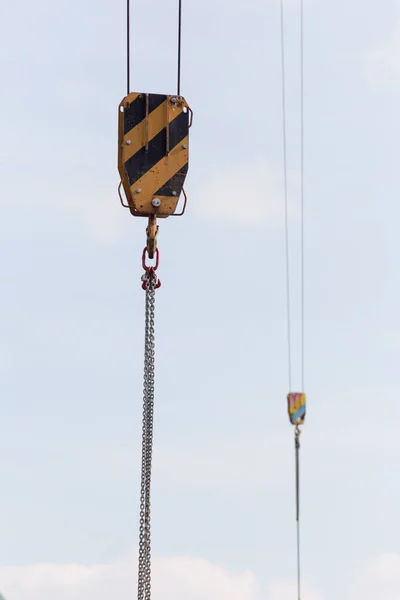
<point>97,208</point>
<point>184,579</point>
<point>384,60</point>
<point>250,195</point>
<point>288,590</point>
<point>102,214</point>
<point>381,437</point>
<point>380,579</point>
<point>197,579</point>
<point>227,464</point>
<point>173,578</point>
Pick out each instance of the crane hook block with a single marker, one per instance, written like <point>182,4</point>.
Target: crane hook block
<point>153,152</point>
<point>297,408</point>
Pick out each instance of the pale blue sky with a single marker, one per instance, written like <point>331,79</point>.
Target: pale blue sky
<point>71,308</point>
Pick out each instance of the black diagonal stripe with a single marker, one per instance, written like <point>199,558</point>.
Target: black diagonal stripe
<point>155,100</point>
<point>136,111</point>
<point>175,184</point>
<point>178,129</point>
<point>143,161</point>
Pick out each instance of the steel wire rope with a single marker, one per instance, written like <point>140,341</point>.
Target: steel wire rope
<point>179,46</point>
<point>128,47</point>
<point>287,254</point>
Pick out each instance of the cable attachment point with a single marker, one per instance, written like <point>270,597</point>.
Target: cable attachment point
<point>149,277</point>
<point>297,408</point>
<point>151,231</point>
<point>297,434</point>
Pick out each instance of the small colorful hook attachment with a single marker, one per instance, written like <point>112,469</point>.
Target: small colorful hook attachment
<point>296,408</point>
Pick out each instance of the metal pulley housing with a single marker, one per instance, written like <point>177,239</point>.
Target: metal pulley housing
<point>153,152</point>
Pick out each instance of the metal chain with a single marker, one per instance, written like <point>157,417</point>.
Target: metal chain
<point>144,569</point>
<point>297,434</point>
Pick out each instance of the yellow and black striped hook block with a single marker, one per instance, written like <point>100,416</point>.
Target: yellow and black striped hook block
<point>153,153</point>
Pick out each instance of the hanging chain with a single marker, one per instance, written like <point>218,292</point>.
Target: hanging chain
<point>297,451</point>
<point>150,283</point>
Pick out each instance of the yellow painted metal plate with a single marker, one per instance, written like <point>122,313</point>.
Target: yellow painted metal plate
<point>153,152</point>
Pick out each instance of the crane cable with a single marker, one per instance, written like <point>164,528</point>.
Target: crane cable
<point>150,283</point>
<point>289,349</point>
<point>128,47</point>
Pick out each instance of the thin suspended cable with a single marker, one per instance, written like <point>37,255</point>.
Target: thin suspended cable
<point>289,350</point>
<point>302,184</point>
<point>297,441</point>
<point>297,433</point>
<point>128,47</point>
<point>179,46</point>
<point>302,282</point>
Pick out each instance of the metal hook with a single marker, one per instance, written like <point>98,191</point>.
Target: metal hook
<point>151,231</point>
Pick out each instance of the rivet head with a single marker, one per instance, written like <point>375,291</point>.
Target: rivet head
<point>184,146</point>
<point>138,190</point>
<point>174,100</point>
<point>128,142</point>
<point>174,193</point>
<point>156,202</point>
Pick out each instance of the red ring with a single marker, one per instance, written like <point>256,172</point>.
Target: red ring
<point>145,267</point>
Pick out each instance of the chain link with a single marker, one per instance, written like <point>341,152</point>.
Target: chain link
<point>144,567</point>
